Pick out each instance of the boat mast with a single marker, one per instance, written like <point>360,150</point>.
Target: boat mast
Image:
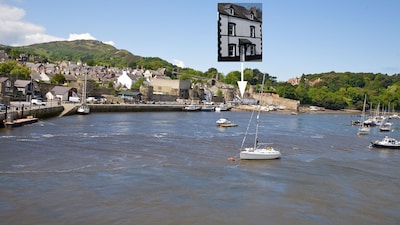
<point>259,111</point>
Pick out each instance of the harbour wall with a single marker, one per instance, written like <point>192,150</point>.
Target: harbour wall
<point>133,108</point>
<point>39,112</point>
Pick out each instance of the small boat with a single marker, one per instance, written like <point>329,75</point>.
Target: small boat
<point>207,108</point>
<point>192,108</point>
<point>386,142</point>
<point>222,107</point>
<point>83,108</point>
<point>385,126</point>
<point>224,122</point>
<point>258,150</point>
<point>363,129</point>
<point>20,122</point>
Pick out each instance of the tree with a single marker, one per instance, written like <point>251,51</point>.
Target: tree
<point>286,90</point>
<point>21,72</point>
<point>137,84</point>
<point>58,79</point>
<point>6,67</point>
<point>15,70</point>
<point>232,77</point>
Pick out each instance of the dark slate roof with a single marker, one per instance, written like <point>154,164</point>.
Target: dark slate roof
<point>239,11</point>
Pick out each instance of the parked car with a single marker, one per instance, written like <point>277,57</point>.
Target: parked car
<point>37,102</point>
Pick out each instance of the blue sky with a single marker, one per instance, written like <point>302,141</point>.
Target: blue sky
<point>299,37</point>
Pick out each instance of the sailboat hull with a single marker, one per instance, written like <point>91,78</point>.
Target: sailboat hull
<point>250,153</point>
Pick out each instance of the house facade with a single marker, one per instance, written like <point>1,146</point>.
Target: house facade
<point>61,93</point>
<point>126,80</point>
<point>6,86</point>
<point>23,87</point>
<point>178,88</point>
<point>239,33</point>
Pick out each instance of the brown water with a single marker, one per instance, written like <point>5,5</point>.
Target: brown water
<point>173,168</point>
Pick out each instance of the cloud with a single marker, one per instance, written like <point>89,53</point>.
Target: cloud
<point>178,62</point>
<point>14,31</point>
<point>85,36</point>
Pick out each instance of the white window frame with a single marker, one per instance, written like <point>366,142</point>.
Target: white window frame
<point>252,31</point>
<point>231,50</point>
<point>231,29</point>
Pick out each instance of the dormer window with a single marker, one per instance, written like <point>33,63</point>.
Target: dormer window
<point>231,11</point>
<point>251,16</point>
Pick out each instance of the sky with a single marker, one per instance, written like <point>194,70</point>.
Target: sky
<point>299,37</point>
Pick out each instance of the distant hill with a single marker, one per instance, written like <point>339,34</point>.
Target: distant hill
<point>91,52</point>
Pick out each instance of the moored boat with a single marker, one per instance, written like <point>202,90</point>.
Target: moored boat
<point>258,150</point>
<point>192,108</point>
<point>386,142</point>
<point>224,122</point>
<point>20,122</point>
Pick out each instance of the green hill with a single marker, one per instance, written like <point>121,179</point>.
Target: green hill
<point>90,52</point>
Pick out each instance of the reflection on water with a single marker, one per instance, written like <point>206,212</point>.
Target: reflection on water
<point>173,168</point>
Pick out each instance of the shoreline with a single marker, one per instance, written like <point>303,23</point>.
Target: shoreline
<point>302,110</point>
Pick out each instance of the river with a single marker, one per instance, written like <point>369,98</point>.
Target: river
<point>173,168</point>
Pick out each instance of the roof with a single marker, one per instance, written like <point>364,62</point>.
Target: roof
<point>60,90</point>
<point>21,83</point>
<point>239,11</point>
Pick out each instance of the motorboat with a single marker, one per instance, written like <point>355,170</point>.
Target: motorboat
<point>386,142</point>
<point>224,122</point>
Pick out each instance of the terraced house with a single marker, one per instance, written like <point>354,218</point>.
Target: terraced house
<point>239,32</point>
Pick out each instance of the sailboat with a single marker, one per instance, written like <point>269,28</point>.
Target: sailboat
<point>84,108</point>
<point>363,129</point>
<point>258,150</point>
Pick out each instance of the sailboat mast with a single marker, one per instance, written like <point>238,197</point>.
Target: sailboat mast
<point>259,110</point>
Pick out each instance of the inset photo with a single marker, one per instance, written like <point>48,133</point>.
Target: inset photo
<point>239,32</point>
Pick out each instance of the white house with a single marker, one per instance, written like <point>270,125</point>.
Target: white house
<point>239,33</point>
<point>126,80</point>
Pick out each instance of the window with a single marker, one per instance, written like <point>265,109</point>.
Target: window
<point>252,50</point>
<point>231,11</point>
<point>232,50</point>
<point>252,31</point>
<point>231,29</point>
<point>251,16</point>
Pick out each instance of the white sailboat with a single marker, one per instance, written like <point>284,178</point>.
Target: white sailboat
<point>84,108</point>
<point>363,129</point>
<point>258,150</point>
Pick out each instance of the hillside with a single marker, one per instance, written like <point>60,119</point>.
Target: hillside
<point>90,52</point>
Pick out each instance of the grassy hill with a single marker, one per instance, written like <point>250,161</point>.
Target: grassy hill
<point>91,52</point>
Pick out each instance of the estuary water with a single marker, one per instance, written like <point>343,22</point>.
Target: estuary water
<point>173,168</point>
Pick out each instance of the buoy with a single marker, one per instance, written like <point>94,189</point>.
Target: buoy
<point>231,159</point>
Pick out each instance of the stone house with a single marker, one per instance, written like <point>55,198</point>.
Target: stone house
<point>61,93</point>
<point>6,86</point>
<point>23,87</point>
<point>178,88</point>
